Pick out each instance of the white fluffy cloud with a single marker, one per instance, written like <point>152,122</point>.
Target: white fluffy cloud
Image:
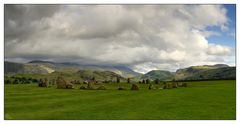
<point>214,49</point>
<point>142,37</point>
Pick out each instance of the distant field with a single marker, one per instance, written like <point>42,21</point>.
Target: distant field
<point>201,100</point>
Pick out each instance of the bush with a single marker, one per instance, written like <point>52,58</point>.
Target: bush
<point>135,87</point>
<point>7,81</point>
<point>102,87</point>
<point>15,81</point>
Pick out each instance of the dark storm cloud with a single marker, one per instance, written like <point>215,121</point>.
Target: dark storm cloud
<point>18,19</point>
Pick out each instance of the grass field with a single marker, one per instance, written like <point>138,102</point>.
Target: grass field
<point>200,100</point>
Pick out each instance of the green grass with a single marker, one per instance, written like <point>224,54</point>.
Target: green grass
<point>201,100</point>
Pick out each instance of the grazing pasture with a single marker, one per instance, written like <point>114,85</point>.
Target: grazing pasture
<point>206,100</point>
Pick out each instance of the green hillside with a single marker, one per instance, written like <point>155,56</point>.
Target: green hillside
<point>158,74</point>
<point>206,73</point>
<point>14,68</point>
<point>39,66</point>
<point>99,75</point>
<point>81,76</point>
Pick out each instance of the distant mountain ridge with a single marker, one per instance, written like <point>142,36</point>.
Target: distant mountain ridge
<point>158,74</point>
<point>206,72</point>
<point>202,72</point>
<point>13,68</point>
<point>66,66</point>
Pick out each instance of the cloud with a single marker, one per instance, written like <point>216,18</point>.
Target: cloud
<point>214,49</point>
<point>142,37</point>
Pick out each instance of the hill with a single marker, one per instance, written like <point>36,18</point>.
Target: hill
<point>206,72</point>
<point>38,66</point>
<point>121,70</point>
<point>74,71</point>
<point>99,75</point>
<point>14,68</point>
<point>158,74</point>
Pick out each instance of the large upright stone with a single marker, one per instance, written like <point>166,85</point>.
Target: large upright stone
<point>135,87</point>
<point>43,82</point>
<point>62,84</point>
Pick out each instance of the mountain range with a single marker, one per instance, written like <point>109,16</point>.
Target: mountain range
<point>43,67</point>
<point>101,72</point>
<point>206,72</point>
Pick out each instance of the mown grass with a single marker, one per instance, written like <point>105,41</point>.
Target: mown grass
<point>201,100</point>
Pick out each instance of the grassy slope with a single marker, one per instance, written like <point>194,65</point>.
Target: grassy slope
<point>201,100</point>
<point>71,75</point>
<point>159,74</point>
<point>205,73</point>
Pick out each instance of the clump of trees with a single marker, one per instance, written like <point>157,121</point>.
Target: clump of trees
<point>19,80</point>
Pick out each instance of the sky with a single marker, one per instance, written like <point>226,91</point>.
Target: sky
<point>141,37</point>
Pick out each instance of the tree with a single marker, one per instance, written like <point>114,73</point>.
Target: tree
<point>15,81</point>
<point>118,80</point>
<point>156,81</point>
<point>128,80</point>
<point>147,81</point>
<point>7,81</point>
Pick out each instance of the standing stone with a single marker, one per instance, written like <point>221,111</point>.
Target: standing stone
<point>62,84</point>
<point>134,87</point>
<point>151,87</point>
<point>174,85</point>
<point>90,86</point>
